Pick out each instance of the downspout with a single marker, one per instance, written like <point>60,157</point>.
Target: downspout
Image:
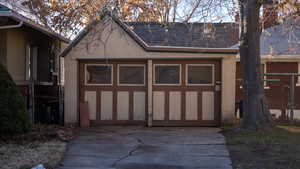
<point>12,26</point>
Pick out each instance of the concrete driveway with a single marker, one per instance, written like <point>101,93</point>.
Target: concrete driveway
<point>147,148</point>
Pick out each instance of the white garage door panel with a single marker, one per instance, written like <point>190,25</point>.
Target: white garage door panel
<point>175,106</point>
<point>208,105</point>
<point>158,105</point>
<point>123,106</point>
<point>139,105</point>
<point>91,98</point>
<point>191,103</point>
<point>106,105</point>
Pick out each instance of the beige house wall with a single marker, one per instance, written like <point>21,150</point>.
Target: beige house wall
<point>16,55</point>
<point>114,43</point>
<point>228,89</point>
<point>17,43</point>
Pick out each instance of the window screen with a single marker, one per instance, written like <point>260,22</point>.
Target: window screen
<point>99,74</point>
<point>167,74</point>
<point>200,74</point>
<point>131,75</point>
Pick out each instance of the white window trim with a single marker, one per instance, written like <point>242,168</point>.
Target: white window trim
<point>208,84</point>
<point>128,65</point>
<point>166,84</point>
<point>98,84</point>
<point>265,71</point>
<point>298,78</point>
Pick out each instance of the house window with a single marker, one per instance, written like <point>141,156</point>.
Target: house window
<point>31,63</point>
<point>131,75</point>
<point>167,74</point>
<point>200,74</point>
<point>97,74</point>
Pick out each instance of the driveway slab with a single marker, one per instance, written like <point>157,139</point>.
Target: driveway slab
<point>137,147</point>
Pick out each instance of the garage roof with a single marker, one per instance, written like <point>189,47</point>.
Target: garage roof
<point>176,37</point>
<point>203,35</point>
<point>282,39</point>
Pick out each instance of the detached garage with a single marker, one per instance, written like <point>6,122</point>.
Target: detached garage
<point>151,74</point>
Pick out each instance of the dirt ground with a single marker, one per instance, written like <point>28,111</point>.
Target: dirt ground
<point>276,149</point>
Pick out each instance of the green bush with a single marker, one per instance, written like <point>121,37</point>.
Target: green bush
<point>13,114</point>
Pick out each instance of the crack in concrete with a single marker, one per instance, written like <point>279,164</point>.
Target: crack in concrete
<point>131,152</point>
<point>126,156</point>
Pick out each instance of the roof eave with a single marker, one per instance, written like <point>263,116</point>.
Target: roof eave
<point>192,50</point>
<point>38,28</point>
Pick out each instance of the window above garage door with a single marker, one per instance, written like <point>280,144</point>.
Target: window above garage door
<point>131,75</point>
<point>98,74</point>
<point>200,74</point>
<point>167,74</point>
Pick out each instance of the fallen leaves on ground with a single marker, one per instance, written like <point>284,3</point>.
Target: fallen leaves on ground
<point>41,133</point>
<point>45,144</point>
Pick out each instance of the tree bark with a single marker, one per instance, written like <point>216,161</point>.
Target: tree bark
<point>256,112</point>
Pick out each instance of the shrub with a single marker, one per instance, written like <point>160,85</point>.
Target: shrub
<point>13,114</point>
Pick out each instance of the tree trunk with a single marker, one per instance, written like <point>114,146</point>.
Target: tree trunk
<point>256,112</point>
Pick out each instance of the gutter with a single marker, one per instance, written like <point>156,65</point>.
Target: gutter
<point>12,26</point>
<point>28,22</point>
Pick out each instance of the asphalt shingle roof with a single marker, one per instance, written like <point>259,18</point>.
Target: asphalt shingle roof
<point>201,35</point>
<point>282,39</point>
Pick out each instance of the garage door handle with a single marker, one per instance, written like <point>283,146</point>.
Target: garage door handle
<point>218,86</point>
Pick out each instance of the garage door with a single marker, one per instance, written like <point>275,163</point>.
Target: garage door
<point>115,91</point>
<point>186,93</point>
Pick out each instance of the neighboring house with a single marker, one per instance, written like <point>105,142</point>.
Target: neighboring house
<point>30,53</point>
<point>280,53</point>
<point>148,73</point>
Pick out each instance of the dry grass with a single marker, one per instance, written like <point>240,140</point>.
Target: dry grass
<point>275,149</point>
<point>15,156</point>
<point>45,144</point>
<point>294,129</point>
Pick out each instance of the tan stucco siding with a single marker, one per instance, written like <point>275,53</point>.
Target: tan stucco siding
<point>117,44</point>
<point>16,55</point>
<point>111,42</point>
<point>71,90</point>
<point>228,89</point>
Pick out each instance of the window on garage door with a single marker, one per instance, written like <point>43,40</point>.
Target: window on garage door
<point>98,74</point>
<point>131,75</point>
<point>200,74</point>
<point>167,74</point>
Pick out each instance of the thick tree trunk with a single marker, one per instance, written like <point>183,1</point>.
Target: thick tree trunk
<point>257,114</point>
